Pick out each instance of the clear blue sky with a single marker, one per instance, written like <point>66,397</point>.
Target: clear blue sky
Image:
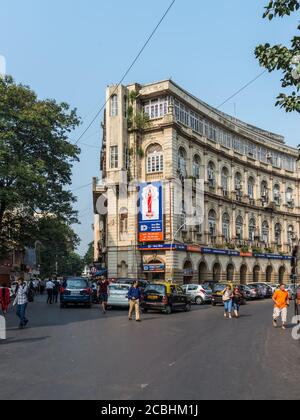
<point>71,49</point>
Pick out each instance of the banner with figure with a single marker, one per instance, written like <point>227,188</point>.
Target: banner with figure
<point>151,226</point>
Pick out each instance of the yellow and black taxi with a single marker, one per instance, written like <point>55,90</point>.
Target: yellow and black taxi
<point>165,297</point>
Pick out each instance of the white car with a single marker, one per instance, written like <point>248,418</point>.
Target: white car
<point>199,294</point>
<point>118,295</point>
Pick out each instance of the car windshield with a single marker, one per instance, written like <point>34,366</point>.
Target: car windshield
<point>119,288</point>
<point>77,284</point>
<point>156,288</point>
<point>220,287</point>
<point>208,289</point>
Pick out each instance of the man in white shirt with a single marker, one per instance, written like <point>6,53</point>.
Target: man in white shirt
<point>50,286</point>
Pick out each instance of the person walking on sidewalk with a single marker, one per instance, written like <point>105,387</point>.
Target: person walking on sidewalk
<point>21,301</point>
<point>102,293</point>
<point>4,298</point>
<point>56,290</point>
<point>42,287</point>
<point>134,296</point>
<point>49,288</point>
<point>237,301</point>
<point>227,300</point>
<point>282,302</point>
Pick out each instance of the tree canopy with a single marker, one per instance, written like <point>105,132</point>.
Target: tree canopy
<point>283,58</point>
<point>36,160</point>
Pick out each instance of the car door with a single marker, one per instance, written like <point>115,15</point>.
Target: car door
<point>181,297</point>
<point>174,297</point>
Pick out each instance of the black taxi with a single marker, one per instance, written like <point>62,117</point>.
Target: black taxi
<point>165,297</point>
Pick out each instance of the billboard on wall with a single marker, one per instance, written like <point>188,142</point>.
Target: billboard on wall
<point>151,225</point>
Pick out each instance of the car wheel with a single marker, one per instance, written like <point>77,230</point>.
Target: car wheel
<point>188,307</point>
<point>214,304</point>
<point>63,305</point>
<point>145,311</point>
<point>168,310</point>
<point>199,301</point>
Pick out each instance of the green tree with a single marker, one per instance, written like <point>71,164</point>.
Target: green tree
<point>88,259</point>
<point>36,161</point>
<point>57,247</point>
<point>72,265</point>
<point>283,58</point>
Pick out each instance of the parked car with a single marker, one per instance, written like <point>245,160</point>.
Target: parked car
<point>76,291</point>
<point>266,288</point>
<point>246,291</point>
<point>290,288</point>
<point>118,295</point>
<point>165,297</point>
<point>198,294</point>
<point>256,291</point>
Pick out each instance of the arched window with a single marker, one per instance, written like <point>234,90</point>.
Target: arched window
<point>291,235</point>
<point>230,272</point>
<point>224,180</point>
<point>239,228</point>
<point>264,192</point>
<point>155,159</point>
<point>226,227</point>
<point>211,174</point>
<point>123,223</point>
<point>238,182</point>
<point>252,229</point>
<point>196,166</point>
<point>114,106</point>
<point>212,223</point>
<point>290,198</point>
<point>278,232</point>
<point>276,194</point>
<point>251,185</point>
<point>265,232</point>
<point>182,162</point>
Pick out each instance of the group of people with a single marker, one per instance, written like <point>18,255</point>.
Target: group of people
<point>232,299</point>
<point>134,297</point>
<point>53,287</point>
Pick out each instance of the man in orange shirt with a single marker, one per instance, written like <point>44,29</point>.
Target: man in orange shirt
<point>282,302</point>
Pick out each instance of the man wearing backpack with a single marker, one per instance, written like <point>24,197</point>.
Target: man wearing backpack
<point>21,301</point>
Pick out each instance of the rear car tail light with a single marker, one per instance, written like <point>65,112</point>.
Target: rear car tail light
<point>165,300</point>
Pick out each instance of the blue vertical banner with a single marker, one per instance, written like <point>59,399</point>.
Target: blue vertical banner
<point>151,223</point>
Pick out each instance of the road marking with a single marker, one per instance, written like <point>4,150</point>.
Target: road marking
<point>143,386</point>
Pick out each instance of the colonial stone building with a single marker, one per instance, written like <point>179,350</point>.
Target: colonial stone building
<point>161,133</point>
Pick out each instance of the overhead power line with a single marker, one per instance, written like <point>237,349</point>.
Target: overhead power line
<point>128,70</point>
<point>82,187</point>
<point>243,88</point>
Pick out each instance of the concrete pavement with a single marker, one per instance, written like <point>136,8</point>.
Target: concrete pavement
<point>78,353</point>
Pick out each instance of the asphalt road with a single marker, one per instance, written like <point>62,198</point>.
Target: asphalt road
<point>78,354</point>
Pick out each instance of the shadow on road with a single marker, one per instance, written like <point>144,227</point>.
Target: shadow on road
<point>12,340</point>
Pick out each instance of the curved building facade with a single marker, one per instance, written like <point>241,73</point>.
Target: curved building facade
<point>159,133</point>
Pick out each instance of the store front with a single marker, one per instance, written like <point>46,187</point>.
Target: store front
<point>188,273</point>
<point>155,271</point>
